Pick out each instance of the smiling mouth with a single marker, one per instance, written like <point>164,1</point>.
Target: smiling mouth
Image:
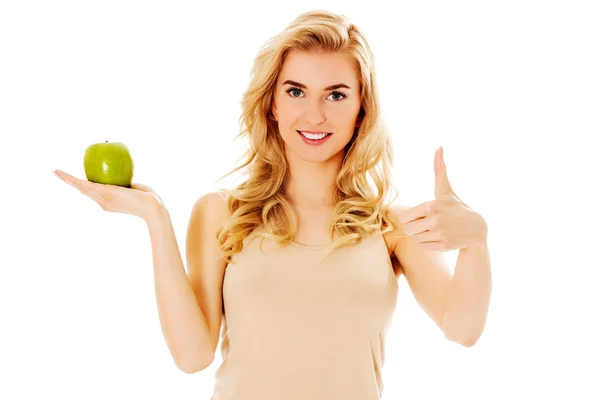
<point>314,136</point>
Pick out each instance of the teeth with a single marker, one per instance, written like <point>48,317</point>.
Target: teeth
<point>313,136</point>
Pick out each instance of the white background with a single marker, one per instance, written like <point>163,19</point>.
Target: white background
<point>510,89</point>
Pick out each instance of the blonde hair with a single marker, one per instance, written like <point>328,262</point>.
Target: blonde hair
<point>260,201</point>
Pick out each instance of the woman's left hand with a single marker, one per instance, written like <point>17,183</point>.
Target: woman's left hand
<point>445,223</point>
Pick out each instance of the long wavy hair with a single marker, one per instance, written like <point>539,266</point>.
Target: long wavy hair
<point>363,184</point>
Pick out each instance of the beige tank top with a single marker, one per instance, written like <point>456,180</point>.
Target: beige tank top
<point>299,326</point>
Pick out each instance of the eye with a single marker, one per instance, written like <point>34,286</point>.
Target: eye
<point>334,93</point>
<point>342,95</point>
<point>294,90</point>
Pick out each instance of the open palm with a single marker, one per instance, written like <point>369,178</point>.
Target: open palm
<point>136,200</point>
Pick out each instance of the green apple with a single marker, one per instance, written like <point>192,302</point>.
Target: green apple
<point>108,163</point>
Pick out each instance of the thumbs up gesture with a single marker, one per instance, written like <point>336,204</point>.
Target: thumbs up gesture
<point>445,223</point>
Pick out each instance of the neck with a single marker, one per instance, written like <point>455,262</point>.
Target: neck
<point>312,183</point>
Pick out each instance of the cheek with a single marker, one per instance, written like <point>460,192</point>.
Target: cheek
<point>289,112</point>
<point>346,114</point>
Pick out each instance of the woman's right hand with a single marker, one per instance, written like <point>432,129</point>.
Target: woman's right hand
<point>138,200</point>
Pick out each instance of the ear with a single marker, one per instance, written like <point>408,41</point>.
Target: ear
<point>273,112</point>
<point>359,118</point>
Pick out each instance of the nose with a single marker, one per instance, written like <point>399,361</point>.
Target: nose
<point>314,114</point>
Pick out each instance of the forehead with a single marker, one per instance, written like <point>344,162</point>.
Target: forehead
<point>319,69</point>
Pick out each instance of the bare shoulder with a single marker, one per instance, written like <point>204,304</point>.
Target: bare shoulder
<point>205,264</point>
<point>210,212</point>
<point>212,201</point>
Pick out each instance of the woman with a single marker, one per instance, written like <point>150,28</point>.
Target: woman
<point>296,269</point>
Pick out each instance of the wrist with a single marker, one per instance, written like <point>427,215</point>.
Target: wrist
<point>153,209</point>
<point>481,241</point>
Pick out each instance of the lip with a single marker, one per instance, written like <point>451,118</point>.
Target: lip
<point>313,132</point>
<point>311,142</point>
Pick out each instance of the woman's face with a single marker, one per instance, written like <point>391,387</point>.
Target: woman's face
<point>316,92</point>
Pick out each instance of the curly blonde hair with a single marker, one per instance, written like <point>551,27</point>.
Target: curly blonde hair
<point>260,200</point>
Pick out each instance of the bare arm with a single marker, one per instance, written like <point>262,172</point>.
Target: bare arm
<point>469,295</point>
<point>182,322</point>
<point>189,307</point>
<point>457,302</point>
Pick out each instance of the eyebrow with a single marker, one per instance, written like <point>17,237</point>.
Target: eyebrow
<point>332,87</point>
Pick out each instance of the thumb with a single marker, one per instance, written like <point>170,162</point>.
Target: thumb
<point>442,183</point>
<point>147,189</point>
<point>143,188</point>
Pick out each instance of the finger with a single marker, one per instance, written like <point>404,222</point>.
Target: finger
<point>64,176</point>
<point>418,226</point>
<point>76,185</point>
<point>86,192</point>
<point>61,175</point>
<point>84,189</point>
<point>139,186</point>
<point>412,214</point>
<point>82,184</point>
<point>71,180</point>
<point>442,182</point>
<point>94,196</point>
<point>81,187</point>
<point>427,236</point>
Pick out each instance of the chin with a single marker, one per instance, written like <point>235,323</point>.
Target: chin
<point>315,155</point>
<point>319,158</point>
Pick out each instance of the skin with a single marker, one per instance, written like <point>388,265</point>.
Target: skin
<point>457,304</point>
<point>421,233</point>
<point>313,168</point>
